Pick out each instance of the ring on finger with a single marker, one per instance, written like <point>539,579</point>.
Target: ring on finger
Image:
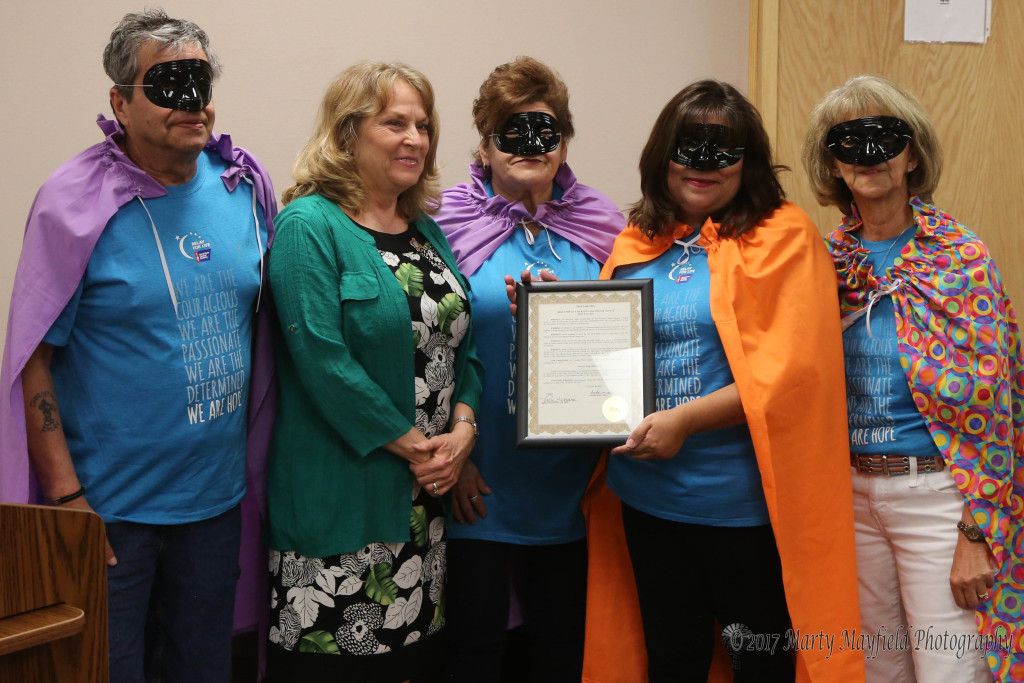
<point>473,498</point>
<point>436,492</point>
<point>983,596</point>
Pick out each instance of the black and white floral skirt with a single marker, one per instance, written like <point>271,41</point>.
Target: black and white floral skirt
<point>382,605</point>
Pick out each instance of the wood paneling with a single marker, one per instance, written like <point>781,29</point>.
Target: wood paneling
<point>43,625</point>
<point>53,595</point>
<point>972,93</point>
<point>763,66</point>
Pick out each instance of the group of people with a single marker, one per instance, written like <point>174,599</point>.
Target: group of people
<point>333,380</point>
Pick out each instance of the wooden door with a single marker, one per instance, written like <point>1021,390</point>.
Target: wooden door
<point>801,49</point>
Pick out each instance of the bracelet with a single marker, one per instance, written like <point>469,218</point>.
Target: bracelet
<point>65,499</point>
<point>472,423</point>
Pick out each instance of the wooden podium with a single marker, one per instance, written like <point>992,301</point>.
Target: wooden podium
<point>53,595</point>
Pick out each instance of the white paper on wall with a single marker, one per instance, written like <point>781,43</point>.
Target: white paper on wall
<point>947,21</point>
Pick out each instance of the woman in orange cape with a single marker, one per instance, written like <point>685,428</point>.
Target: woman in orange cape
<point>771,297</point>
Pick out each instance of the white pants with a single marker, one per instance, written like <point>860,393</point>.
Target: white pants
<point>906,535</point>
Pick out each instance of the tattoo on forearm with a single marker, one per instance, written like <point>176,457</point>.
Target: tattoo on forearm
<point>46,402</point>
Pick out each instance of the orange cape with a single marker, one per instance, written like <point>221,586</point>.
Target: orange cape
<point>773,300</point>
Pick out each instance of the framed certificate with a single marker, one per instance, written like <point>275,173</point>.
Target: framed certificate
<point>584,361</point>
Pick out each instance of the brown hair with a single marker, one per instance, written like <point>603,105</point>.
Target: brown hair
<point>327,165</point>
<point>858,97</point>
<point>760,192</point>
<point>522,81</point>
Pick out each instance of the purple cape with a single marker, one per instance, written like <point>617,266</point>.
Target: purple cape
<point>476,224</point>
<point>67,217</point>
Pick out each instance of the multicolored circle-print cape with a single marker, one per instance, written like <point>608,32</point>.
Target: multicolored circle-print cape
<point>960,349</point>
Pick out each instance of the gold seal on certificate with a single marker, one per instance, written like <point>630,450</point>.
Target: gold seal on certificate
<point>584,361</point>
<point>614,408</point>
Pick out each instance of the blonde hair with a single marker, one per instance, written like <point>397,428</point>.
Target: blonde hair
<point>327,164</point>
<point>862,96</point>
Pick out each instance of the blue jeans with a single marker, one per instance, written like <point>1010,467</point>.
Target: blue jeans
<point>172,599</point>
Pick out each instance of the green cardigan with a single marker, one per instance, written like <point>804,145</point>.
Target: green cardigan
<point>346,373</point>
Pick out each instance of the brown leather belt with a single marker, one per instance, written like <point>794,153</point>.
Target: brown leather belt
<point>890,465</point>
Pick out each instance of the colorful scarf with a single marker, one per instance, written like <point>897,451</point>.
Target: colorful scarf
<point>960,348</point>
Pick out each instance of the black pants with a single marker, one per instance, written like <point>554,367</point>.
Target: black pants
<point>551,582</point>
<point>418,662</point>
<point>689,575</point>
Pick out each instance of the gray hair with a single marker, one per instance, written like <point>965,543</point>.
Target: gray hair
<point>121,55</point>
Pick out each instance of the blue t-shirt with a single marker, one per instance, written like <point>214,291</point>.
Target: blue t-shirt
<point>153,402</point>
<point>536,494</point>
<point>883,416</point>
<point>713,480</point>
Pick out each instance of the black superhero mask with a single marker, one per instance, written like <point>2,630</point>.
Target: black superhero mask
<point>528,134</point>
<point>707,146</point>
<point>185,84</point>
<point>869,140</point>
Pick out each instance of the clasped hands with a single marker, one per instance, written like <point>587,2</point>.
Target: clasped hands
<point>437,462</point>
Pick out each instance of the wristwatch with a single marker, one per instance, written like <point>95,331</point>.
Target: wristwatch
<point>971,531</point>
<point>472,423</point>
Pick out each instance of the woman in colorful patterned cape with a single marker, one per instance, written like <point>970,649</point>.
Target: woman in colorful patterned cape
<point>734,500</point>
<point>936,404</point>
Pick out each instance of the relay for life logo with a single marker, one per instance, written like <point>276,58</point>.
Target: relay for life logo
<point>197,249</point>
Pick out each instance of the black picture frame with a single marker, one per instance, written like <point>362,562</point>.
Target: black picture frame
<point>533,429</point>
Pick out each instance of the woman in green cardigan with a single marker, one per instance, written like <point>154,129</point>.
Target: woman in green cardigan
<point>378,387</point>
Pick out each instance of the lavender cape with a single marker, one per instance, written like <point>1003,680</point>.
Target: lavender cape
<point>67,217</point>
<point>476,224</point>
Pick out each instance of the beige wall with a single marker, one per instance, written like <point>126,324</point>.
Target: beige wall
<point>621,60</point>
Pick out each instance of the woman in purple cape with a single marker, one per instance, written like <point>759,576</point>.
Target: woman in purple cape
<point>517,512</point>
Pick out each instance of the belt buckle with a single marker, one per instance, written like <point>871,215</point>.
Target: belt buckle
<point>885,464</point>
